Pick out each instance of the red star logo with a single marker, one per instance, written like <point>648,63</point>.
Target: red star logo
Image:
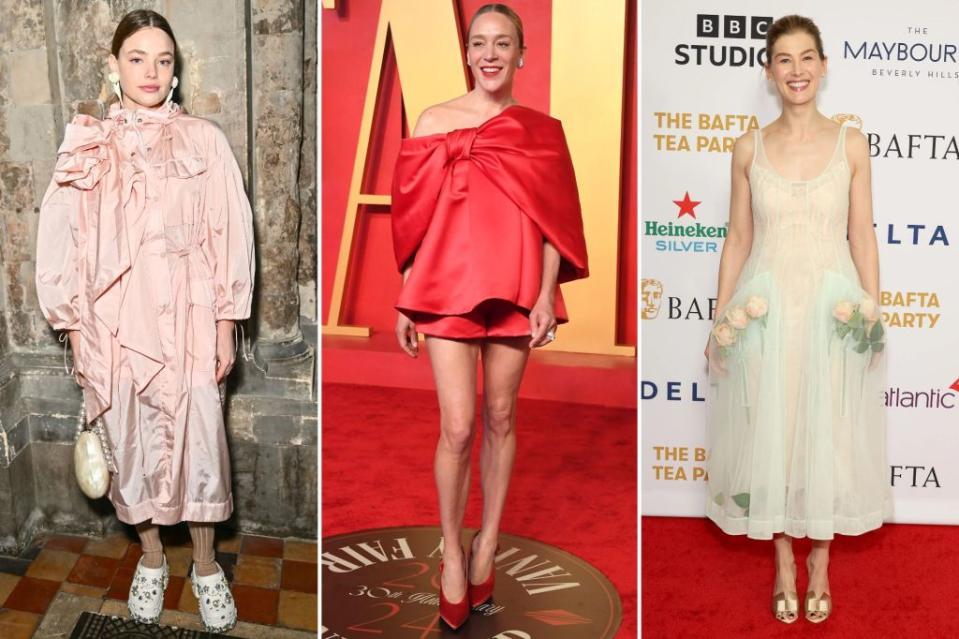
<point>955,385</point>
<point>686,206</point>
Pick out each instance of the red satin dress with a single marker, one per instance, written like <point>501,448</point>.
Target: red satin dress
<point>472,208</point>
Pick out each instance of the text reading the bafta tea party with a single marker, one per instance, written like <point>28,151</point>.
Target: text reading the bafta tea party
<point>700,132</point>
<point>679,463</point>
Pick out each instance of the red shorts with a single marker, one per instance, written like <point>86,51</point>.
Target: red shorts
<point>491,318</point>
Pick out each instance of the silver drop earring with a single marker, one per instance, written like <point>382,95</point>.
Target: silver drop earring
<point>519,64</point>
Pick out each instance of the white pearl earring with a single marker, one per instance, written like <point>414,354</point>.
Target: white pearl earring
<point>114,79</point>
<point>173,85</point>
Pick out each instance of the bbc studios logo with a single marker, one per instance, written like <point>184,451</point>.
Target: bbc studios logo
<point>744,51</point>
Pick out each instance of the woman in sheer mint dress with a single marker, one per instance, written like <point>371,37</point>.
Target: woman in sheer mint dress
<point>797,351</point>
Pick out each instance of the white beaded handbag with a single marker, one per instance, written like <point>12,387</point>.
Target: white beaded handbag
<point>92,461</point>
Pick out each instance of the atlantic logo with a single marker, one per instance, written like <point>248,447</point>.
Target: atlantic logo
<point>889,58</point>
<point>910,309</point>
<point>695,237</point>
<point>913,146</point>
<point>714,26</point>
<point>912,234</point>
<point>933,398</point>
<point>672,391</point>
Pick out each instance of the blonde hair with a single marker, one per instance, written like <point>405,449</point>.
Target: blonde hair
<point>503,10</point>
<point>792,24</point>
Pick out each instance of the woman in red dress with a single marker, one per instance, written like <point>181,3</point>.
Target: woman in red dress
<point>486,224</point>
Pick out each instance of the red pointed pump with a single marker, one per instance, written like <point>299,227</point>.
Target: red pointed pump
<point>479,594</point>
<point>454,614</point>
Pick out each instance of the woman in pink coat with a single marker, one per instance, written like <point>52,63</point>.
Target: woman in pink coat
<point>145,257</point>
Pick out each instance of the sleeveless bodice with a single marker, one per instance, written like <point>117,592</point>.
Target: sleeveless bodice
<point>799,226</point>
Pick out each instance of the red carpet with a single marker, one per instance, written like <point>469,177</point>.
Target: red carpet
<point>573,481</point>
<point>899,581</point>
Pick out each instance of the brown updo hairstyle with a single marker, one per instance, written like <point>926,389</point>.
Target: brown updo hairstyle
<point>496,7</point>
<point>142,19</point>
<point>792,24</point>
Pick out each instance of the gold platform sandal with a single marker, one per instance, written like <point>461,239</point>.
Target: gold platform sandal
<point>818,608</point>
<point>786,606</point>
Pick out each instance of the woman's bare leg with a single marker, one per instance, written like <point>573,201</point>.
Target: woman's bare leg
<point>785,567</point>
<point>454,371</point>
<point>504,360</point>
<point>818,565</point>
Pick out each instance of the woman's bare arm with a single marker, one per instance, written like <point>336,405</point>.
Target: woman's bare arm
<point>862,237</point>
<point>739,235</point>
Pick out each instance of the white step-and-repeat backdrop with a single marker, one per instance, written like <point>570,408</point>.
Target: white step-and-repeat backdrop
<point>893,67</point>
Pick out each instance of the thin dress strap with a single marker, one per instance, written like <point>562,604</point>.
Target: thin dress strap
<point>759,145</point>
<point>840,151</point>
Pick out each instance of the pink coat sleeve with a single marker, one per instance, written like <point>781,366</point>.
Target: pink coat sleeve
<point>229,233</point>
<point>58,275</point>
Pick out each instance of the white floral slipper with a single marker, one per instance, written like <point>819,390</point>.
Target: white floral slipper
<point>213,594</point>
<point>146,592</point>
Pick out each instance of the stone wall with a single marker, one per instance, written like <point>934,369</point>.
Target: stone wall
<point>250,66</point>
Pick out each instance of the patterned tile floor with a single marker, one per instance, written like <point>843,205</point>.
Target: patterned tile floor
<point>44,590</point>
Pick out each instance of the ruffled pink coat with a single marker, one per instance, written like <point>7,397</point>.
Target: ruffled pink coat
<point>145,240</point>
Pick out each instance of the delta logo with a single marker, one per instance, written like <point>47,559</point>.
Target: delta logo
<point>686,234</point>
<point>912,234</point>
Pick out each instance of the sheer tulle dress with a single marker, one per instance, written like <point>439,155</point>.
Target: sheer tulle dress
<point>797,370</point>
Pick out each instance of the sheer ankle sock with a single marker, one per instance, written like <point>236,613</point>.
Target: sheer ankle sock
<point>204,561</point>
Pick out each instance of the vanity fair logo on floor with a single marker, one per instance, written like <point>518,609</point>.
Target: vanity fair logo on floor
<point>385,583</point>
<point>686,234</point>
<point>747,49</point>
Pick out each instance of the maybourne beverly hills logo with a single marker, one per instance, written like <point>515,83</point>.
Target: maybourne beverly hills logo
<point>686,235</point>
<point>916,52</point>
